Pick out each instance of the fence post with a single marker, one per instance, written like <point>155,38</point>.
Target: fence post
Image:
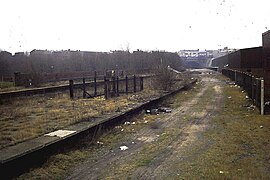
<point>114,85</point>
<point>141,83</point>
<point>235,77</point>
<point>117,85</point>
<point>95,83</point>
<point>252,89</point>
<point>84,88</point>
<point>262,97</point>
<point>257,92</point>
<point>71,90</point>
<point>126,84</point>
<point>106,88</point>
<point>134,81</point>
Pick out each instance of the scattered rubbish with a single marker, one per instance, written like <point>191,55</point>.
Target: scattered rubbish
<point>229,97</point>
<point>221,172</point>
<point>133,123</point>
<point>127,123</point>
<point>118,127</point>
<point>261,126</point>
<point>132,142</point>
<point>243,91</point>
<point>251,107</point>
<point>157,135</point>
<point>247,97</point>
<point>231,83</point>
<point>123,148</point>
<point>163,134</point>
<point>154,111</point>
<point>145,122</point>
<point>98,142</point>
<point>165,109</point>
<point>267,103</point>
<point>122,130</point>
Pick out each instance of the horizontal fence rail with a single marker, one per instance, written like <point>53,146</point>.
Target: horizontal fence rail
<point>109,87</point>
<point>99,84</point>
<point>252,85</point>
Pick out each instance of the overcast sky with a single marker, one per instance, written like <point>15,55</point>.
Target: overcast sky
<point>104,25</point>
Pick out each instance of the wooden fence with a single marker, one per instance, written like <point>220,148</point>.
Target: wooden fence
<point>252,85</point>
<point>109,87</point>
<point>94,87</point>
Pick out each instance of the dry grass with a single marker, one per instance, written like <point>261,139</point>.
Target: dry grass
<point>28,117</point>
<point>236,146</point>
<point>58,166</point>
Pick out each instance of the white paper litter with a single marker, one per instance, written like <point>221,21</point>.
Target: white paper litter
<point>123,148</point>
<point>60,133</point>
<point>98,142</point>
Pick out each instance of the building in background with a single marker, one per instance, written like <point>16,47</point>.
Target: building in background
<point>202,58</point>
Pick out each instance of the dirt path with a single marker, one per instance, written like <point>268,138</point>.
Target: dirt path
<point>156,148</point>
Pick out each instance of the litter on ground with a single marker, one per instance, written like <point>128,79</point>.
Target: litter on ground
<point>98,142</point>
<point>123,148</point>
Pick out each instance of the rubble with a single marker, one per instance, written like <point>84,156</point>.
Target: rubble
<point>156,111</point>
<point>165,109</point>
<point>250,107</point>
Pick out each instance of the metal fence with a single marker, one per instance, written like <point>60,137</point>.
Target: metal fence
<point>252,85</point>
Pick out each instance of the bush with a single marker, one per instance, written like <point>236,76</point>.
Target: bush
<point>165,78</point>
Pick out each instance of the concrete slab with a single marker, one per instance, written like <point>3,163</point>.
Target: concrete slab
<point>60,133</point>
